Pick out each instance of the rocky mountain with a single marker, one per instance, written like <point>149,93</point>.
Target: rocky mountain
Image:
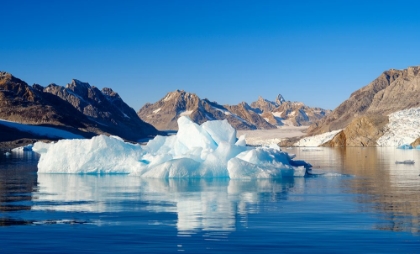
<point>261,114</point>
<point>164,113</point>
<point>282,112</point>
<point>393,90</point>
<point>263,105</point>
<point>78,107</point>
<point>363,117</point>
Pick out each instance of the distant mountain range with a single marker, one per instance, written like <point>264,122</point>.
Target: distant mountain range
<point>261,114</point>
<point>78,108</point>
<point>282,112</point>
<point>364,117</point>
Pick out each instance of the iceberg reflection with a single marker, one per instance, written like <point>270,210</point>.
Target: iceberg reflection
<point>200,204</point>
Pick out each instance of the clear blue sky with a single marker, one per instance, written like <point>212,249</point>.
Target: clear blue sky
<point>317,52</point>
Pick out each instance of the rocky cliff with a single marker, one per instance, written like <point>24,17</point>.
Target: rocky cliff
<point>362,131</point>
<point>78,107</point>
<point>393,90</point>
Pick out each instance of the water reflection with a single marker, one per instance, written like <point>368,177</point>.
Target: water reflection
<point>211,205</point>
<point>18,180</point>
<point>388,191</point>
<point>392,189</point>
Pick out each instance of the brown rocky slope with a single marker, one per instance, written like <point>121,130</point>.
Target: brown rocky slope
<point>362,131</point>
<point>392,91</point>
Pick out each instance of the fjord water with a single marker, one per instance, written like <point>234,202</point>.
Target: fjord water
<point>357,200</point>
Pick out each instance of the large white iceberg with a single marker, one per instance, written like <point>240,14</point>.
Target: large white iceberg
<point>196,151</point>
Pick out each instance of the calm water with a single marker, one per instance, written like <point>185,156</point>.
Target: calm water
<point>365,203</point>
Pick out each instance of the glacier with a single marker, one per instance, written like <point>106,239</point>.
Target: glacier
<point>209,150</point>
<point>317,140</point>
<point>403,128</point>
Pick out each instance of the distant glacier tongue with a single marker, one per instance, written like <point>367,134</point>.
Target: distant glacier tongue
<point>209,150</point>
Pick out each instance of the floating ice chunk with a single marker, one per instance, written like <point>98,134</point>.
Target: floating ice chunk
<point>264,163</point>
<point>101,154</point>
<point>26,148</point>
<point>205,151</point>
<point>411,162</point>
<point>405,147</point>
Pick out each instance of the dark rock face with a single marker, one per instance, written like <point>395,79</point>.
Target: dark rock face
<point>78,107</point>
<point>165,113</point>
<point>22,103</point>
<point>105,108</point>
<point>392,91</point>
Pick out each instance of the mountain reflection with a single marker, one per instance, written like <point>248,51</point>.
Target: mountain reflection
<point>17,181</point>
<point>200,204</point>
<point>392,189</point>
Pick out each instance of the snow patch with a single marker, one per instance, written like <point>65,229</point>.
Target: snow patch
<point>278,114</point>
<point>156,110</point>
<point>50,132</point>
<point>226,112</point>
<point>186,113</point>
<point>168,97</point>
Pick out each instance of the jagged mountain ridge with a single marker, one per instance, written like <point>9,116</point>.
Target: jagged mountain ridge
<point>78,107</point>
<point>283,112</point>
<point>164,113</point>
<point>262,114</point>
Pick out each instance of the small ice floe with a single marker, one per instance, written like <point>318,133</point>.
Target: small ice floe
<point>26,148</point>
<point>7,153</point>
<point>311,149</point>
<point>326,174</point>
<point>405,147</point>
<point>405,162</point>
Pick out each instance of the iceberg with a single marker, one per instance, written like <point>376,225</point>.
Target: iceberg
<point>210,150</point>
<point>405,147</point>
<point>26,148</point>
